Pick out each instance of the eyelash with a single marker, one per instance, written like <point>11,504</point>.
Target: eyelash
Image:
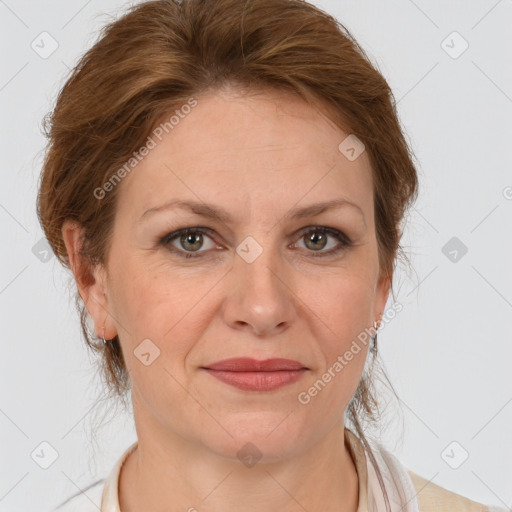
<point>344,240</point>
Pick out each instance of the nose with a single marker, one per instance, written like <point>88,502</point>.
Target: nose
<point>258,297</point>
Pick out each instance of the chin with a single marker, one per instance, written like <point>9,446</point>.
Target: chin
<point>260,436</point>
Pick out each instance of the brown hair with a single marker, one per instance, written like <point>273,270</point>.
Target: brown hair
<point>160,53</point>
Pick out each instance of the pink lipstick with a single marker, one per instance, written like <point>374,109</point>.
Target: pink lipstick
<point>252,375</point>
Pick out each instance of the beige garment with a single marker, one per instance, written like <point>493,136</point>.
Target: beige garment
<point>430,497</point>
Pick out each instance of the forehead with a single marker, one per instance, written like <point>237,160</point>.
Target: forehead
<point>259,151</point>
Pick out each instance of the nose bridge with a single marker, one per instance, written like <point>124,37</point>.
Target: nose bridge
<point>258,263</point>
<point>257,294</point>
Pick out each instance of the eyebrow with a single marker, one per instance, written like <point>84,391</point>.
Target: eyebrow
<point>218,213</point>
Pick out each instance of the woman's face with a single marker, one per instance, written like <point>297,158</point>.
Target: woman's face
<point>264,282</point>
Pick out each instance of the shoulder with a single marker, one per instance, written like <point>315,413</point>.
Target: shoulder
<point>87,500</point>
<point>434,498</point>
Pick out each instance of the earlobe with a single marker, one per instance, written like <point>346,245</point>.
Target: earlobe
<point>90,280</point>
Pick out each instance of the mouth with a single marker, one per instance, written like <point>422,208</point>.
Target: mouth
<point>252,375</point>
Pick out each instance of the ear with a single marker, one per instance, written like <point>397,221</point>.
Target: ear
<point>381,296</point>
<point>91,280</point>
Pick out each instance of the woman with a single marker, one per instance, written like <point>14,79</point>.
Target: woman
<point>227,181</point>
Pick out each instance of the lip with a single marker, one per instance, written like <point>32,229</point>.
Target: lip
<point>248,364</point>
<point>253,375</point>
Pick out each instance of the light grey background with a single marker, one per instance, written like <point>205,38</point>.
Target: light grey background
<point>448,353</point>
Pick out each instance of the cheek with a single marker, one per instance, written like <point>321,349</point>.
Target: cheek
<point>164,305</point>
<point>344,307</point>
<point>151,306</point>
<point>343,302</point>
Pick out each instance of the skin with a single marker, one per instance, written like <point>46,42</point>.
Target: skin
<point>257,156</point>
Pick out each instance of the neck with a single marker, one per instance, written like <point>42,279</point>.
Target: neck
<point>166,470</point>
